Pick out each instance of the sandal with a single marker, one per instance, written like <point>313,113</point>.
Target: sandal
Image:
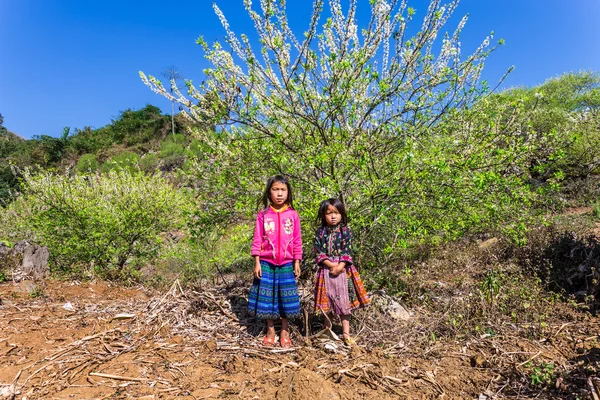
<point>268,341</point>
<point>285,342</point>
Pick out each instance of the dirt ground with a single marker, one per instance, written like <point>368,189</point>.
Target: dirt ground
<point>72,340</point>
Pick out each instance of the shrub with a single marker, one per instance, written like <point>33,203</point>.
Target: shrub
<point>200,256</point>
<point>197,148</point>
<point>126,160</point>
<point>139,126</point>
<point>87,163</point>
<point>88,140</point>
<point>149,162</point>
<point>178,138</point>
<point>171,149</point>
<point>111,222</point>
<point>8,184</point>
<point>172,154</point>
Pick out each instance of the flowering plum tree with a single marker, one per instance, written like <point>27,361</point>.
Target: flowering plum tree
<point>356,112</point>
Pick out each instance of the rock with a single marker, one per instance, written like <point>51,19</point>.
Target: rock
<point>488,243</point>
<point>25,261</point>
<point>390,306</point>
<point>27,286</point>
<point>4,249</point>
<point>7,391</point>
<point>331,347</point>
<point>6,263</point>
<point>35,262</point>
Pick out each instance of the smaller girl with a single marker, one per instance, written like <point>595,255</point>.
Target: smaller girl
<point>277,251</point>
<point>338,287</point>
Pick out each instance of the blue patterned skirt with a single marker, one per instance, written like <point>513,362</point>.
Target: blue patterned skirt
<point>275,294</point>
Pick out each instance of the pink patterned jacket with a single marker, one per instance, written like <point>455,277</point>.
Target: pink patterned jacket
<point>277,236</point>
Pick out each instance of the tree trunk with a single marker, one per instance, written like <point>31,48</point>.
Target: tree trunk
<point>173,118</point>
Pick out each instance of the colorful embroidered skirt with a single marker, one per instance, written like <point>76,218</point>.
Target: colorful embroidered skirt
<point>357,295</point>
<point>275,294</point>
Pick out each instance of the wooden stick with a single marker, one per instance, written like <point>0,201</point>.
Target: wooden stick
<point>17,377</point>
<point>523,363</point>
<point>306,327</point>
<point>117,377</point>
<point>393,379</point>
<point>593,391</point>
<point>561,328</point>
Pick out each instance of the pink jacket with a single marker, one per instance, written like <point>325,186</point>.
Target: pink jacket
<point>277,236</point>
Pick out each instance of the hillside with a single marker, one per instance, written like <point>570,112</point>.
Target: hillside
<point>10,136</point>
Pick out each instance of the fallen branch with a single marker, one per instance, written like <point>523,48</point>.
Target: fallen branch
<point>117,377</point>
<point>592,387</point>
<point>530,359</point>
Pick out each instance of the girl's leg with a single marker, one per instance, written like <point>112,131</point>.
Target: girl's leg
<point>270,329</point>
<point>345,327</point>
<point>269,339</point>
<point>284,336</point>
<point>284,328</point>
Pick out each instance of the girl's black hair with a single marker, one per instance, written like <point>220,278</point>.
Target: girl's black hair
<point>337,203</point>
<point>266,197</point>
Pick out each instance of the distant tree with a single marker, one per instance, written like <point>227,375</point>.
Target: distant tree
<point>565,109</point>
<point>130,127</point>
<point>89,140</point>
<point>9,145</point>
<point>138,126</point>
<point>50,150</point>
<point>6,146</point>
<point>172,74</point>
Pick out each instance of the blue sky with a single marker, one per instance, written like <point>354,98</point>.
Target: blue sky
<point>75,62</point>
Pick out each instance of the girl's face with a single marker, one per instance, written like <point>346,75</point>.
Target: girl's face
<point>279,194</point>
<point>332,216</point>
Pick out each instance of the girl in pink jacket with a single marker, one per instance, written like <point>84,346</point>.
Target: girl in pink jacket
<point>277,251</point>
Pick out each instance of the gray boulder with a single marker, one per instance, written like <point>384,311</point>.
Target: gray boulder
<point>25,261</point>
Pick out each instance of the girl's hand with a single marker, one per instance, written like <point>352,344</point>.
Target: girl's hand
<point>297,270</point>
<point>335,271</point>
<point>257,271</point>
<point>330,265</point>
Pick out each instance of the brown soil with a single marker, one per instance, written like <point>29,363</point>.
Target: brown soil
<point>50,352</point>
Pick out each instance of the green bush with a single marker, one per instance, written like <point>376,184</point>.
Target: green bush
<point>87,163</point>
<point>197,148</point>
<point>564,113</point>
<point>110,222</point>
<point>178,138</point>
<point>88,140</point>
<point>139,126</point>
<point>207,253</point>
<point>149,163</point>
<point>582,157</point>
<point>171,149</point>
<point>8,184</point>
<point>172,154</point>
<point>126,160</point>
